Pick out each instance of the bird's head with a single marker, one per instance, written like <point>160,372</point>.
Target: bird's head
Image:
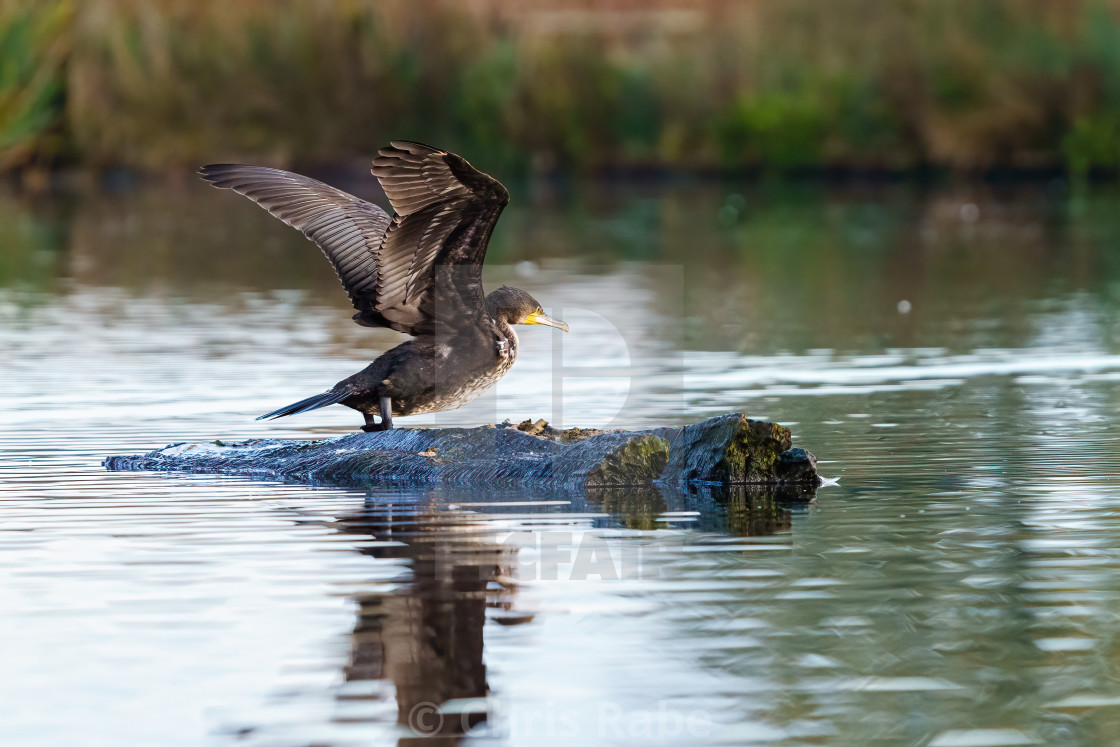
<point>515,306</point>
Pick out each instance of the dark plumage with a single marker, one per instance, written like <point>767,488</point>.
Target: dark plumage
<point>418,272</point>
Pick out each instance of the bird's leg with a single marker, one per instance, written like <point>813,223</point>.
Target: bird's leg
<point>386,413</point>
<point>386,417</point>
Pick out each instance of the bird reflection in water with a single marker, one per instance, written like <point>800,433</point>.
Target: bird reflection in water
<point>427,637</point>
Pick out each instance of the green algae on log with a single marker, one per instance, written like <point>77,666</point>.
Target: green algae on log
<point>728,450</point>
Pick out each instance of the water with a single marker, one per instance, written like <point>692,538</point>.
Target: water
<point>951,357</point>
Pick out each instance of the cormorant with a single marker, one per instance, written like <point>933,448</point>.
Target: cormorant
<point>418,272</point>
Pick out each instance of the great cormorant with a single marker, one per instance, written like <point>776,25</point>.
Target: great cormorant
<point>418,272</point>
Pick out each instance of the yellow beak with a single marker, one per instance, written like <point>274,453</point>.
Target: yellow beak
<point>546,320</point>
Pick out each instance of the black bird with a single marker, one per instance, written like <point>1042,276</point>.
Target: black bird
<point>418,272</point>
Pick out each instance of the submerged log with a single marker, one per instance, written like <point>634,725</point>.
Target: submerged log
<point>727,450</point>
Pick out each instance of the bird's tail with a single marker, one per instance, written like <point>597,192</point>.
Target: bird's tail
<point>332,397</point>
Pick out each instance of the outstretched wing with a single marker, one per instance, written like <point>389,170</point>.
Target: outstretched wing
<point>430,263</point>
<point>400,272</point>
<point>350,231</point>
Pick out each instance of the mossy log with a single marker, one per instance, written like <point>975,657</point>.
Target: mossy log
<point>725,450</point>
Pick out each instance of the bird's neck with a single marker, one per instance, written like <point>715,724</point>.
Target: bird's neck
<point>506,333</point>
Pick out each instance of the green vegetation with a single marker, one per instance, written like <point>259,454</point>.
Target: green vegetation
<point>34,43</point>
<point>772,84</point>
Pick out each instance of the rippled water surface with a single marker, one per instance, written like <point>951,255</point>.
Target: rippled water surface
<point>952,358</point>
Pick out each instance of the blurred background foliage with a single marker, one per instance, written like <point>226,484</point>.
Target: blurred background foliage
<point>566,85</point>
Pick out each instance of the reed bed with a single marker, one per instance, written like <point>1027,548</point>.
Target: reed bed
<point>575,85</point>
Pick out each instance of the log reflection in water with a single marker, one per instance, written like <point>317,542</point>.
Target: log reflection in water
<point>739,510</point>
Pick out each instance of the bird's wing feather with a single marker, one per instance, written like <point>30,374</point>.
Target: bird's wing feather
<point>349,230</point>
<point>431,259</point>
<point>400,272</point>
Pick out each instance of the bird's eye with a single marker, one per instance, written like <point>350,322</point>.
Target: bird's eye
<point>540,310</point>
